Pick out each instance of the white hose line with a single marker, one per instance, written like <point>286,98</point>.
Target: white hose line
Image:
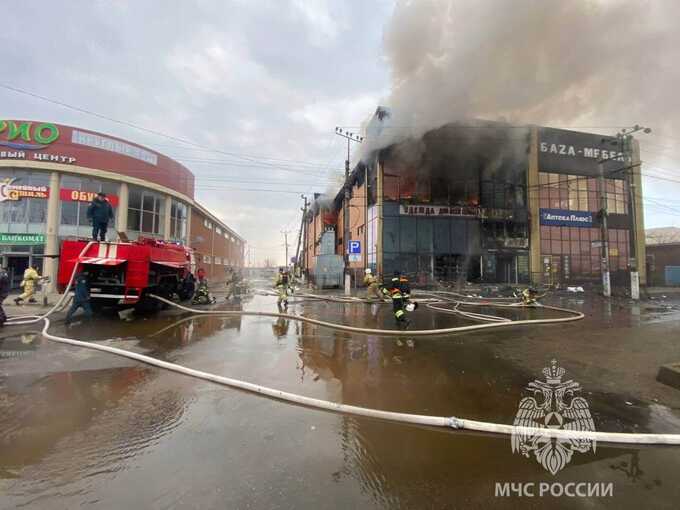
<point>32,319</point>
<point>384,332</point>
<point>414,419</point>
<point>470,315</point>
<point>465,296</point>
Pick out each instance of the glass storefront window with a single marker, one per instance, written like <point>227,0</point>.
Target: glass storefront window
<point>578,193</point>
<point>73,215</point>
<point>425,228</point>
<point>37,211</point>
<point>178,221</point>
<point>145,211</point>
<point>575,244</point>
<point>407,234</point>
<point>441,236</point>
<point>391,234</point>
<point>69,213</point>
<point>27,215</point>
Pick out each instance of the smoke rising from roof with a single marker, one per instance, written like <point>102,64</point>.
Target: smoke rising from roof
<point>579,63</point>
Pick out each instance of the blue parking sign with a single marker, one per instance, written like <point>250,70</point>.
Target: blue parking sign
<point>354,247</point>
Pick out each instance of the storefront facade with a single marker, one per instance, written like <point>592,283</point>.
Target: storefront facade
<point>567,200</point>
<point>50,173</point>
<point>491,203</point>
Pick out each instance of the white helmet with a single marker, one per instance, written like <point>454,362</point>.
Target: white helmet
<point>368,270</point>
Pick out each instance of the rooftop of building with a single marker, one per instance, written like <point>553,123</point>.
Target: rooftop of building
<point>662,235</point>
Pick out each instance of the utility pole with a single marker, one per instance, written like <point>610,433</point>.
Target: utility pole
<point>285,243</point>
<point>604,233</point>
<point>625,137</point>
<point>302,254</point>
<point>351,137</point>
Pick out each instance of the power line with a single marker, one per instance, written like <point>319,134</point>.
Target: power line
<point>129,124</point>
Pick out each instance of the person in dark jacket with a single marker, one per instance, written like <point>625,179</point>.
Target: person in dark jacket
<point>100,213</point>
<point>4,292</point>
<point>187,286</point>
<point>400,292</point>
<point>81,298</point>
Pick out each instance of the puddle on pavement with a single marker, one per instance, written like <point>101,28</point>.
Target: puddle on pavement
<point>84,428</point>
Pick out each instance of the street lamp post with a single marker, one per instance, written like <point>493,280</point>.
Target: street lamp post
<point>625,137</point>
<point>351,137</point>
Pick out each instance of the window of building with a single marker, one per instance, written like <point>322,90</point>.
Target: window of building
<point>27,215</point>
<point>582,249</point>
<point>579,193</point>
<point>207,224</point>
<point>146,211</point>
<point>218,230</point>
<point>206,259</point>
<point>73,214</point>
<point>178,221</point>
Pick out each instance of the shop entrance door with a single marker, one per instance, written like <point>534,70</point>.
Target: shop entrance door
<point>16,265</point>
<point>505,269</point>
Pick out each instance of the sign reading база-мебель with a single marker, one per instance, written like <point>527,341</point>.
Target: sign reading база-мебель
<point>562,218</point>
<point>22,238</point>
<point>572,152</point>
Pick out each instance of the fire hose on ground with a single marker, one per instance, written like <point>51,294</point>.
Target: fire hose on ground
<point>452,422</point>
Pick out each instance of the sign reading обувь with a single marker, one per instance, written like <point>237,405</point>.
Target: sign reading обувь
<point>22,238</point>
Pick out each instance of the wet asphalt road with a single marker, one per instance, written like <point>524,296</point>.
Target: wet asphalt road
<point>85,429</point>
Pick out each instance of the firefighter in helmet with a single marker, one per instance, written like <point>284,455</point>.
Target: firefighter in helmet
<point>29,283</point>
<point>529,296</point>
<point>282,284</point>
<point>400,291</point>
<point>202,295</point>
<point>372,286</point>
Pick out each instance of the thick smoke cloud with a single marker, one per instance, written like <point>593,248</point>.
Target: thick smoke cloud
<point>571,63</point>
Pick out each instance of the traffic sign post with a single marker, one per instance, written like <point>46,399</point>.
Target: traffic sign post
<point>354,251</point>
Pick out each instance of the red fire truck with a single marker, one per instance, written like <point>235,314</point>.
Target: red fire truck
<point>124,272</point>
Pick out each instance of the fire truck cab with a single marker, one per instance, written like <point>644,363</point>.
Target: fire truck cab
<point>124,272</point>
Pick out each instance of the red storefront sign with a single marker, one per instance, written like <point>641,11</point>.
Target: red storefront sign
<point>75,195</point>
<point>47,144</point>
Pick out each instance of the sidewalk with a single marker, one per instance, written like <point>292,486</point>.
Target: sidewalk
<point>659,291</point>
<point>12,310</point>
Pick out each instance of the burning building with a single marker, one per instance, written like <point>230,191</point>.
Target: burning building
<point>488,202</point>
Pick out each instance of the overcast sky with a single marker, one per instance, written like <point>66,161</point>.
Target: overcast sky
<point>260,79</point>
<point>266,81</point>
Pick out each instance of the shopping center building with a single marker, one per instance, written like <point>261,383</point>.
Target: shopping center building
<point>488,202</point>
<point>49,173</point>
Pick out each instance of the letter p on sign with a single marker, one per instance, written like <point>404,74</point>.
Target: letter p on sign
<point>354,247</point>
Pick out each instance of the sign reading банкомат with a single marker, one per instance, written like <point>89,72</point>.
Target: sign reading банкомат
<point>22,238</point>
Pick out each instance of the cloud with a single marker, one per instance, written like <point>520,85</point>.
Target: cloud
<point>321,115</point>
<point>228,75</point>
<point>324,20</point>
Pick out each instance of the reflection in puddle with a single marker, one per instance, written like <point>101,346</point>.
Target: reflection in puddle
<point>70,430</point>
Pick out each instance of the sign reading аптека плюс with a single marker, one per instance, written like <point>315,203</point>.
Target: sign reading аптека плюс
<point>562,218</point>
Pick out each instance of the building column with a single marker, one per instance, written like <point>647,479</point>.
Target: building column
<point>533,189</point>
<point>167,235</point>
<point>122,214</point>
<point>51,262</point>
